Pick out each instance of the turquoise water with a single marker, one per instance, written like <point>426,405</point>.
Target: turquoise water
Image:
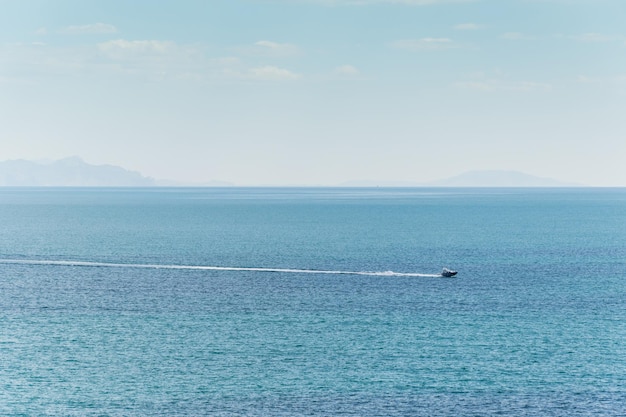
<point>102,314</point>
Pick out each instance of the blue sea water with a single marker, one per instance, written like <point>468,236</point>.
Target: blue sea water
<point>101,313</point>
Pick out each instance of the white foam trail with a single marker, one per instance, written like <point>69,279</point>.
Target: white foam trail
<point>210,268</point>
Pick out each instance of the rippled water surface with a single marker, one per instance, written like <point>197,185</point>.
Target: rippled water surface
<point>293,302</point>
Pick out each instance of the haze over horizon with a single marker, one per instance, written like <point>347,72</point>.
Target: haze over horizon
<point>318,91</point>
<point>75,172</point>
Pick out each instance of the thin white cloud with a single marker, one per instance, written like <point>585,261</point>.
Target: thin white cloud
<point>467,26</point>
<point>603,80</point>
<point>90,29</point>
<point>586,80</point>
<point>347,70</point>
<point>227,61</point>
<point>495,85</point>
<point>368,2</point>
<point>16,60</point>
<point>269,48</point>
<point>121,48</point>
<point>516,36</point>
<point>424,44</point>
<point>597,37</point>
<point>272,45</point>
<point>270,73</point>
<point>155,60</point>
<point>41,31</point>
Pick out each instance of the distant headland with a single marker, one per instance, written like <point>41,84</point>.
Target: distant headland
<point>75,172</point>
<point>68,172</point>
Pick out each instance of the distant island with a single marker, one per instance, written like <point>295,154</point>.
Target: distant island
<point>74,172</point>
<point>69,172</point>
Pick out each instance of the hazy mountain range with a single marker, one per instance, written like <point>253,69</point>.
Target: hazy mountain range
<point>74,172</point>
<point>68,172</point>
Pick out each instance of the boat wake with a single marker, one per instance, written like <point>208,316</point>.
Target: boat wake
<point>209,268</point>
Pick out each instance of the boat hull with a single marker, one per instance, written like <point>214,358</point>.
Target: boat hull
<point>447,273</point>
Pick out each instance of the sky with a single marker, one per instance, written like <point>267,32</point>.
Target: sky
<point>318,92</point>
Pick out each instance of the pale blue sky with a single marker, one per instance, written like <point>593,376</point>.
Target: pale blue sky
<point>317,92</point>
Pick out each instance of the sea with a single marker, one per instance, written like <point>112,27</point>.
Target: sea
<point>312,302</point>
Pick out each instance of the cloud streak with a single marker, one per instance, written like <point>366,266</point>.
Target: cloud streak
<point>275,49</point>
<point>154,60</point>
<point>347,70</point>
<point>271,73</point>
<point>517,36</point>
<point>468,26</point>
<point>369,2</point>
<point>121,48</point>
<point>90,29</point>
<point>424,44</point>
<point>504,86</point>
<point>597,38</point>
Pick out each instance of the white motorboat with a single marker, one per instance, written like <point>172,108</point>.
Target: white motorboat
<point>448,273</point>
